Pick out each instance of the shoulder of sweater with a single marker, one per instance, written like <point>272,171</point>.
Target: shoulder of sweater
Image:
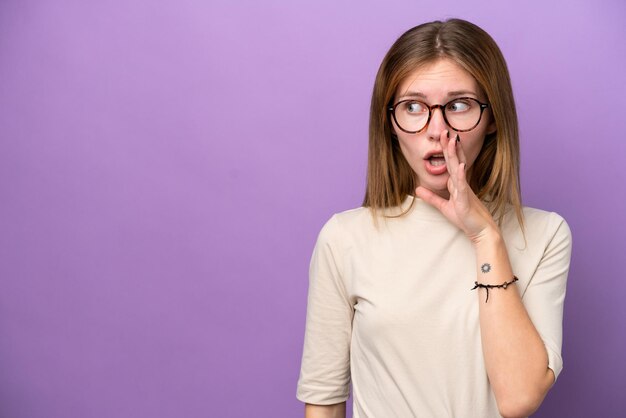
<point>340,220</point>
<point>540,224</point>
<point>541,218</point>
<point>347,219</point>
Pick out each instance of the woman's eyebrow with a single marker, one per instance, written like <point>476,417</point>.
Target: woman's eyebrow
<point>461,92</point>
<point>450,94</point>
<point>414,94</point>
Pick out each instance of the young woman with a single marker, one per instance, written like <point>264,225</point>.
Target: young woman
<point>441,296</point>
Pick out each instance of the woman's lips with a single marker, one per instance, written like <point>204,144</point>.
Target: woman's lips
<point>435,170</point>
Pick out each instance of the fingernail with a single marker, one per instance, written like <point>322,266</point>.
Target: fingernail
<point>448,133</point>
<point>458,139</point>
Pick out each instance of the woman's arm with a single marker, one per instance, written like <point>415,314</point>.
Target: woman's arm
<point>337,410</point>
<point>515,355</point>
<point>324,381</point>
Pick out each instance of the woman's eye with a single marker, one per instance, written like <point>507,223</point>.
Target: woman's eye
<point>459,106</point>
<point>415,107</point>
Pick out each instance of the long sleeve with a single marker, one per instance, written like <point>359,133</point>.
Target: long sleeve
<point>545,294</point>
<point>325,369</point>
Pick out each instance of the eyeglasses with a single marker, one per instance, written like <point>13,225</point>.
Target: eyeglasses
<point>461,114</point>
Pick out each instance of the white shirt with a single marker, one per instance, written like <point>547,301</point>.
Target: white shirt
<point>391,310</point>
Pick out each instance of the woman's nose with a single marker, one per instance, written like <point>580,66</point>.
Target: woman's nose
<point>436,124</point>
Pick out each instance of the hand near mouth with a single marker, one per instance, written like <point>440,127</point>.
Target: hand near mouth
<point>463,208</point>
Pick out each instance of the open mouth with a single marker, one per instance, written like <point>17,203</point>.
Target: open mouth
<point>437,160</point>
<point>436,164</point>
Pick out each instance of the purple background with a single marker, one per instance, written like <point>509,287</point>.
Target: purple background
<point>165,168</point>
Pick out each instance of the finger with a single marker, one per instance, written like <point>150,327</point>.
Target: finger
<point>460,152</point>
<point>431,198</point>
<point>449,155</point>
<point>453,158</point>
<point>452,188</point>
<point>462,188</point>
<point>462,183</point>
<point>444,139</point>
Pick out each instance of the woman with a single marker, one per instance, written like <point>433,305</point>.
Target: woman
<point>442,296</point>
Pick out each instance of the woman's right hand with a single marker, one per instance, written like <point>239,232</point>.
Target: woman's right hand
<point>463,208</point>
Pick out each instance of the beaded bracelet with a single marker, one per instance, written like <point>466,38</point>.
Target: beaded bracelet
<point>491,286</point>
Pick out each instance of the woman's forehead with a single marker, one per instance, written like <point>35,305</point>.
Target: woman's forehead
<point>443,77</point>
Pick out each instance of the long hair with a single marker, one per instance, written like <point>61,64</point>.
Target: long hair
<point>494,176</point>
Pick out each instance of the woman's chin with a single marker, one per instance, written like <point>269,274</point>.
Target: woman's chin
<point>438,186</point>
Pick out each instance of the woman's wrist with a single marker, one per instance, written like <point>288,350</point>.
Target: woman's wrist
<point>489,236</point>
<point>492,259</point>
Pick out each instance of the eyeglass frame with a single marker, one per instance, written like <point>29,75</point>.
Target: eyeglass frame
<point>392,110</point>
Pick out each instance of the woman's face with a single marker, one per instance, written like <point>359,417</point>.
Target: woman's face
<point>438,83</point>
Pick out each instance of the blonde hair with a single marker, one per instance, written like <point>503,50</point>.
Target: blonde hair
<point>494,176</point>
